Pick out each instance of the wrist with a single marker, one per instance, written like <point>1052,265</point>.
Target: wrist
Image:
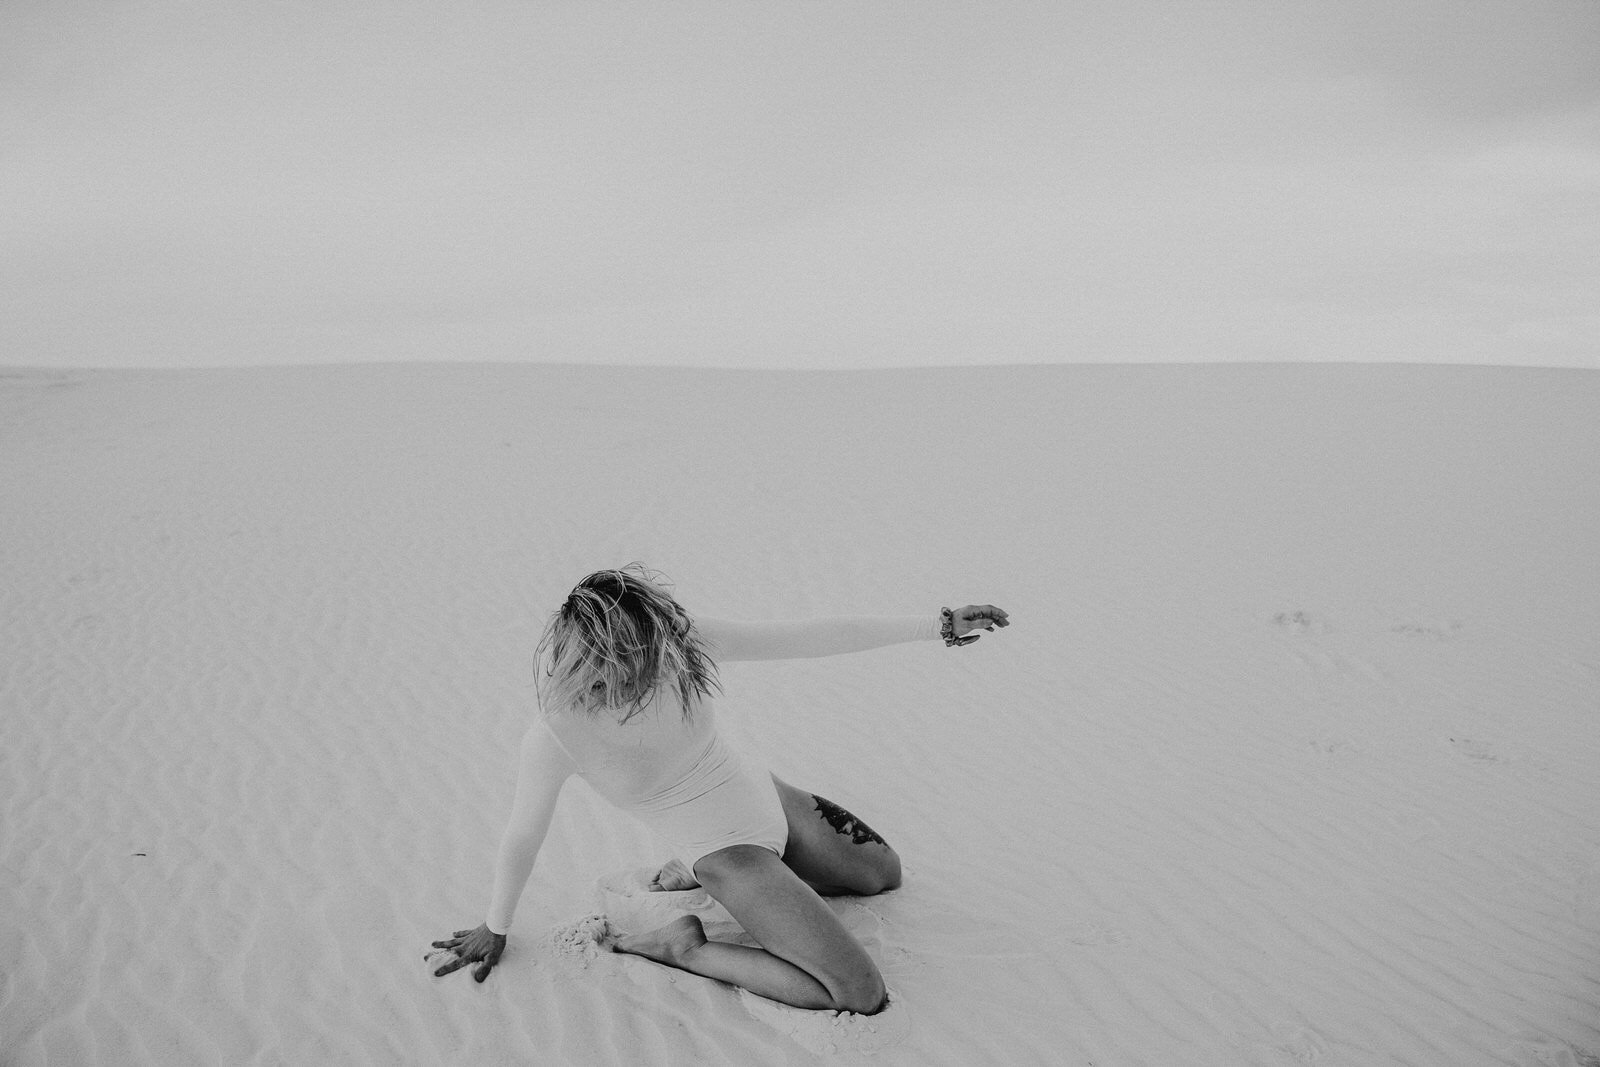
<point>947,630</point>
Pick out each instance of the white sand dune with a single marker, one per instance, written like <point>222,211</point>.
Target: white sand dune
<point>1290,755</point>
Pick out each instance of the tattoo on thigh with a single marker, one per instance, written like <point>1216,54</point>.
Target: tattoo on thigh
<point>845,823</point>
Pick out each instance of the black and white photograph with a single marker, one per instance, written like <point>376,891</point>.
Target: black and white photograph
<point>773,535</point>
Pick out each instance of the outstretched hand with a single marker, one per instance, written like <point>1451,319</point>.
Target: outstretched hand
<point>482,946</point>
<point>976,617</point>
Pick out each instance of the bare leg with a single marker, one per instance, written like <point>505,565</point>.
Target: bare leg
<point>682,944</point>
<point>807,958</point>
<point>830,848</point>
<point>834,851</point>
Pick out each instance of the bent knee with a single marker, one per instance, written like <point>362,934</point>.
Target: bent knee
<point>883,875</point>
<point>891,872</point>
<point>865,995</point>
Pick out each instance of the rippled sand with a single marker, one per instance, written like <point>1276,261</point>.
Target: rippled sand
<point>1289,754</point>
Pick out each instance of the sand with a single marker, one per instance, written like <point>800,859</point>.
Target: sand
<point>1289,755</point>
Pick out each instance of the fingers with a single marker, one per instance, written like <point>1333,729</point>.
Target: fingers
<point>977,617</point>
<point>490,958</point>
<point>468,947</point>
<point>452,945</point>
<point>464,958</point>
<point>975,613</point>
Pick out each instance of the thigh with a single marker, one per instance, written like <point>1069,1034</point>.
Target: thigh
<point>832,848</point>
<point>789,920</point>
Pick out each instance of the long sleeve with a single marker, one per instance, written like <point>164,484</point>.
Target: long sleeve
<point>542,770</point>
<point>728,640</point>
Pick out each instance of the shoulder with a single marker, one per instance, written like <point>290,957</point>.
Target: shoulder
<point>542,749</point>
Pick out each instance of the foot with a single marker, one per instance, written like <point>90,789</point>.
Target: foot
<point>673,877</point>
<point>670,944</point>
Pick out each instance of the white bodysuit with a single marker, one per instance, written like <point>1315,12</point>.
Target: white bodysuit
<point>678,777</point>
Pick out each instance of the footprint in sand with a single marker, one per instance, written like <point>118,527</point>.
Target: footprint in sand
<point>1310,652</point>
<point>1520,762</point>
<point>1293,1040</point>
<point>1299,622</point>
<point>1301,1042</point>
<point>1533,1049</point>
<point>1439,631</point>
<point>1476,750</point>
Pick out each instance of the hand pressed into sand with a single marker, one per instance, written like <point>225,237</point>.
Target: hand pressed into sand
<point>482,946</point>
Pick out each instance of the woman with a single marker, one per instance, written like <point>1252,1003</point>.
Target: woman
<point>626,678</point>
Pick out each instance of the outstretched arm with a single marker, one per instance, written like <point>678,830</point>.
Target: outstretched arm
<point>542,770</point>
<point>728,640</point>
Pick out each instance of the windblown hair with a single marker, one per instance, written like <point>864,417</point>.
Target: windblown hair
<point>618,640</point>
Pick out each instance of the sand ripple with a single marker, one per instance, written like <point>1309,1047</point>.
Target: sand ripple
<point>1288,758</point>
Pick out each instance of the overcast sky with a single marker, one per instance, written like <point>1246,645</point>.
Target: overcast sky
<point>804,183</point>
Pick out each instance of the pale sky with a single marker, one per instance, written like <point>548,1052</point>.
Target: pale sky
<point>800,184</point>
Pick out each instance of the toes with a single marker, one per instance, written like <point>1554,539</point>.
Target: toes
<point>673,877</point>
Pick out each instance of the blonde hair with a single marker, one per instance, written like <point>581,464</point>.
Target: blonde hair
<point>618,639</point>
